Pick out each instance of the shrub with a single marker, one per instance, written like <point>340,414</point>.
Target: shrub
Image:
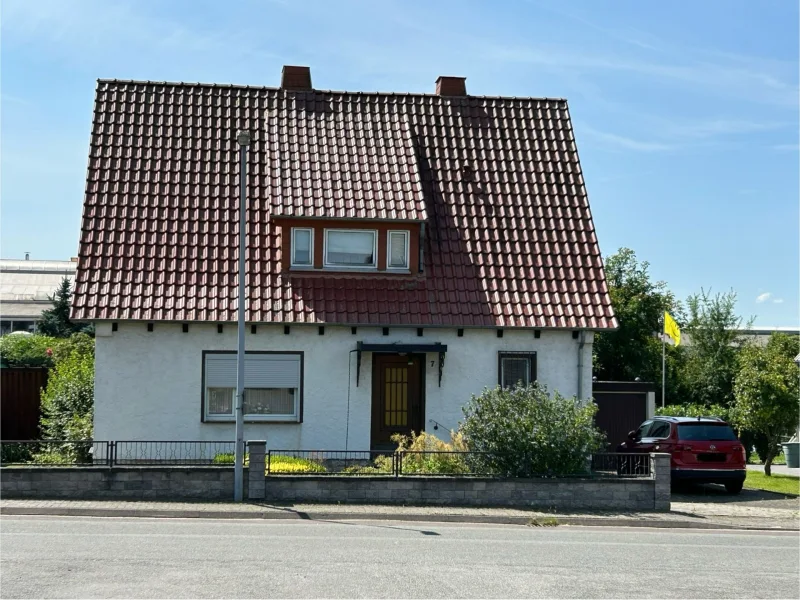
<point>27,350</point>
<point>39,350</point>
<point>420,454</point>
<point>68,399</point>
<point>526,431</point>
<point>278,464</point>
<point>381,465</point>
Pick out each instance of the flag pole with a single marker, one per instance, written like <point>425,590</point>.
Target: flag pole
<point>663,360</point>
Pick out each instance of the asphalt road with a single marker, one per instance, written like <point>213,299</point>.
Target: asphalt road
<point>46,557</point>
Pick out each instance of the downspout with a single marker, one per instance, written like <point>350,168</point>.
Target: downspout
<point>581,344</point>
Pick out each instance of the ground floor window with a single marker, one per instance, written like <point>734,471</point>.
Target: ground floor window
<point>272,386</point>
<point>516,367</point>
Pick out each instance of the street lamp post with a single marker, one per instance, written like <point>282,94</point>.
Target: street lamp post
<point>243,138</point>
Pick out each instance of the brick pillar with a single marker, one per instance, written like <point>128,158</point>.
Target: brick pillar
<point>660,464</point>
<point>256,482</point>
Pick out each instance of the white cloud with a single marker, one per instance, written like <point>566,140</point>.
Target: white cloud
<point>778,301</point>
<point>763,297</point>
<point>621,141</point>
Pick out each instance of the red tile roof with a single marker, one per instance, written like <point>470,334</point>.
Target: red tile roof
<point>509,239</point>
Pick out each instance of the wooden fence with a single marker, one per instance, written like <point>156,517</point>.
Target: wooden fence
<point>20,402</point>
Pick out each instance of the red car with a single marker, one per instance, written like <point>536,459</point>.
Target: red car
<point>704,449</point>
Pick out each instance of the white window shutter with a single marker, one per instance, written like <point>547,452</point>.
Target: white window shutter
<point>221,370</point>
<point>272,371</point>
<point>260,370</point>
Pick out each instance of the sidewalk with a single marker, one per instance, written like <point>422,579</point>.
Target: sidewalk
<point>691,515</point>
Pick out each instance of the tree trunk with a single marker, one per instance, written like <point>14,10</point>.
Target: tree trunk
<point>768,463</point>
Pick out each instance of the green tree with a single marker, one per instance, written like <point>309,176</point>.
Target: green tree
<point>634,350</point>
<point>711,357</point>
<point>766,391</point>
<point>525,431</point>
<point>68,399</point>
<point>55,322</point>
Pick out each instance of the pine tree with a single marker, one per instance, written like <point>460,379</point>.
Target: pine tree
<point>55,321</point>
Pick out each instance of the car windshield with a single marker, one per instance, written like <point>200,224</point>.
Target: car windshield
<point>705,431</point>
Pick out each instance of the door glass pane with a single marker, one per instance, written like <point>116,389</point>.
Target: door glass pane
<point>269,401</point>
<point>220,401</point>
<point>515,370</point>
<point>395,400</point>
<point>302,247</point>
<point>351,248</point>
<point>397,250</point>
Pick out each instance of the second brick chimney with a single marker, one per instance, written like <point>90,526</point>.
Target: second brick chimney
<point>451,86</point>
<point>295,78</point>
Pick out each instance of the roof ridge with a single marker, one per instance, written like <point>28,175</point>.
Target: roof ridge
<point>320,91</point>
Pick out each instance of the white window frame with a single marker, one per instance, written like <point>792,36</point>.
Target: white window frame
<point>372,267</point>
<point>296,417</point>
<point>406,238</point>
<point>310,264</point>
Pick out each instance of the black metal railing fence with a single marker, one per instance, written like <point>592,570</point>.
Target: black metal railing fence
<point>405,463</point>
<point>55,453</point>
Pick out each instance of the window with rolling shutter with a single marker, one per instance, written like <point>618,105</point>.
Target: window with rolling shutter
<point>517,368</point>
<point>272,386</point>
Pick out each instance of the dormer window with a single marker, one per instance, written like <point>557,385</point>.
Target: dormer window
<point>397,251</point>
<point>338,246</point>
<point>351,248</point>
<point>302,247</point>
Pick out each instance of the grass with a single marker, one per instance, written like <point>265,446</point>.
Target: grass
<point>782,484</point>
<point>755,459</point>
<point>543,522</point>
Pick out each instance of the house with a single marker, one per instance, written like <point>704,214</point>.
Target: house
<point>756,335</point>
<point>26,287</point>
<point>404,251</point>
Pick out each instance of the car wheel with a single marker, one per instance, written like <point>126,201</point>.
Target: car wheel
<point>734,487</point>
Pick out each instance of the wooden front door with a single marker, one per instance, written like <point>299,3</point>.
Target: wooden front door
<point>397,402</point>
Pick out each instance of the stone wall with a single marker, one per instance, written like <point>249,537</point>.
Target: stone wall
<point>119,483</point>
<point>645,494</point>
<point>216,483</point>
<point>561,494</point>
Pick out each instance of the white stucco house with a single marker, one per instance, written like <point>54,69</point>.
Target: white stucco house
<point>404,251</point>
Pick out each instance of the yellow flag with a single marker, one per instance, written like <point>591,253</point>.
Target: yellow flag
<point>671,329</point>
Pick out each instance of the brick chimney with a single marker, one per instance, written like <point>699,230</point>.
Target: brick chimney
<point>296,78</point>
<point>451,86</point>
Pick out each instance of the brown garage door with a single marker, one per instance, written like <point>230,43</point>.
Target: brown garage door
<point>621,408</point>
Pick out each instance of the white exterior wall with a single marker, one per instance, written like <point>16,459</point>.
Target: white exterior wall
<point>148,385</point>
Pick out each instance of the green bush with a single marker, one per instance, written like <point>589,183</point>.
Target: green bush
<point>39,350</point>
<point>421,454</point>
<point>68,399</point>
<point>528,432</point>
<point>278,463</point>
<point>27,350</point>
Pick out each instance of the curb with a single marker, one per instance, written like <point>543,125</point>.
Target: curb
<point>347,516</point>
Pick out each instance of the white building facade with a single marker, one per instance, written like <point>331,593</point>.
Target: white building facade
<point>153,385</point>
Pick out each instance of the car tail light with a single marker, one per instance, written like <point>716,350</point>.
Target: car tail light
<point>741,450</point>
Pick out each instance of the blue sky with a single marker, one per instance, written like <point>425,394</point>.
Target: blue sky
<point>685,113</point>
